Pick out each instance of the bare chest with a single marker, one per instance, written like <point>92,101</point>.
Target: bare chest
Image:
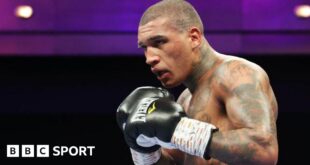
<point>205,106</point>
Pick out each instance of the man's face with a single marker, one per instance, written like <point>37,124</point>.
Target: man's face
<point>167,50</point>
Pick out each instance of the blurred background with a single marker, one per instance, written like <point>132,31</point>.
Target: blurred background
<point>65,66</point>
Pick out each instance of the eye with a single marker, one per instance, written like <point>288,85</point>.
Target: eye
<point>158,43</point>
<point>144,47</point>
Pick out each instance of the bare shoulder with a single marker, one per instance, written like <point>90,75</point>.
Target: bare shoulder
<point>235,71</point>
<point>237,75</point>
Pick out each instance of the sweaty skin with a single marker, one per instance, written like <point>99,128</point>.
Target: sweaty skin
<point>230,92</point>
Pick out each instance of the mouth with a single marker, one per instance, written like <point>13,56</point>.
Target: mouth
<point>160,74</point>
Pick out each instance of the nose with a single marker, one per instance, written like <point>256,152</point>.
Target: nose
<point>151,57</point>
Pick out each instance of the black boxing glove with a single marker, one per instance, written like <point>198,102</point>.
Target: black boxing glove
<point>160,121</point>
<point>153,153</point>
<point>125,108</point>
<point>152,123</point>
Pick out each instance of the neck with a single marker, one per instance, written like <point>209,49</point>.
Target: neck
<point>202,68</point>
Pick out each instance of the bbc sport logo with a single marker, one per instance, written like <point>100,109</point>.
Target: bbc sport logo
<point>43,151</point>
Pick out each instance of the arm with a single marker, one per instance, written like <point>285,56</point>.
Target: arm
<point>249,108</point>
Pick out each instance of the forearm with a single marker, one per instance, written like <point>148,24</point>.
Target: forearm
<point>244,146</point>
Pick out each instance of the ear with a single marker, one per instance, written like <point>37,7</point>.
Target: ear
<point>195,37</point>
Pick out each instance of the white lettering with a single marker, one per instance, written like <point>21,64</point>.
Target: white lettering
<point>56,151</point>
<point>73,153</point>
<point>140,114</point>
<point>83,151</point>
<point>73,150</point>
<point>91,150</point>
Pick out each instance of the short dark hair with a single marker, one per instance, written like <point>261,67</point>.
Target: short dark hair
<point>181,14</point>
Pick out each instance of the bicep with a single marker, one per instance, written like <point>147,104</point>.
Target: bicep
<point>246,98</point>
<point>248,107</point>
<point>250,112</point>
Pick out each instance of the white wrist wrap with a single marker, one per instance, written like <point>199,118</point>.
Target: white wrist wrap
<point>192,136</point>
<point>145,158</point>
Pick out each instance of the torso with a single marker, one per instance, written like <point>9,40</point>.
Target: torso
<point>204,105</point>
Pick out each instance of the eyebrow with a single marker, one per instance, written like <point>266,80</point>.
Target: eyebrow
<point>151,39</point>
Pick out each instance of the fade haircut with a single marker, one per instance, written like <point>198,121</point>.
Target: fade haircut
<point>180,13</point>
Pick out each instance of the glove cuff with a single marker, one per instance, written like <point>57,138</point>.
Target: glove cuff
<point>192,136</point>
<point>145,158</point>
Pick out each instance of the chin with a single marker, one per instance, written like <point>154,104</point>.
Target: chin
<point>170,84</point>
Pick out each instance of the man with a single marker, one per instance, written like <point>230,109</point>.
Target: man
<point>226,115</point>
